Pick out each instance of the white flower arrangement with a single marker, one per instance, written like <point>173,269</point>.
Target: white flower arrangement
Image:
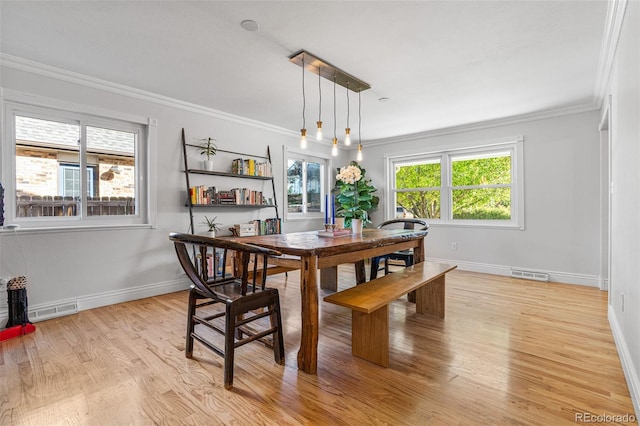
<point>349,175</point>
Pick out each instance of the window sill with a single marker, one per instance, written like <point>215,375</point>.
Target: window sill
<point>59,229</point>
<point>485,225</point>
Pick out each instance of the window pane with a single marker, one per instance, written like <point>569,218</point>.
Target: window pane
<point>41,147</point>
<point>423,204</point>
<point>294,186</point>
<point>481,171</point>
<point>422,175</point>
<point>483,203</point>
<point>113,153</point>
<point>314,187</point>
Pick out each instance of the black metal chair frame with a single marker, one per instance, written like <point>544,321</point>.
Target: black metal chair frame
<point>240,296</point>
<point>405,255</point>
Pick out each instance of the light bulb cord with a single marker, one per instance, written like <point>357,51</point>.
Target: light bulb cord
<point>347,104</point>
<point>304,99</point>
<point>334,107</point>
<point>319,95</point>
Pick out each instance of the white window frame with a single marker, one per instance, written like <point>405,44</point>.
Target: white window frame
<point>446,155</point>
<point>69,167</point>
<point>292,154</point>
<point>18,103</point>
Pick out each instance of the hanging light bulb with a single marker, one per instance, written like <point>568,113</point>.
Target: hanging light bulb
<point>303,138</point>
<point>319,123</point>
<point>359,155</point>
<point>334,149</point>
<point>303,131</point>
<point>347,131</point>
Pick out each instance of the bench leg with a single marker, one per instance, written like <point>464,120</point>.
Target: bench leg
<point>370,335</point>
<point>430,298</point>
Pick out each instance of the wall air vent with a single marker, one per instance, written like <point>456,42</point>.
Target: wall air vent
<point>530,275</point>
<point>55,311</point>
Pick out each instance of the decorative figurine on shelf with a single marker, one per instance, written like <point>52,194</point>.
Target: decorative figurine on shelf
<point>209,149</point>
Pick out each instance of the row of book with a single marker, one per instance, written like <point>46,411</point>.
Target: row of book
<point>237,196</point>
<point>257,227</point>
<point>268,226</point>
<point>250,167</point>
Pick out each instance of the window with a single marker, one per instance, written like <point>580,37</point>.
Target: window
<point>49,148</point>
<point>306,185</point>
<point>471,186</point>
<point>70,180</point>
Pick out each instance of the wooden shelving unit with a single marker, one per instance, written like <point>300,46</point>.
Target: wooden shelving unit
<point>193,171</point>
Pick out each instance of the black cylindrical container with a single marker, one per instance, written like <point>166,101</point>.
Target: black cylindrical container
<point>17,298</point>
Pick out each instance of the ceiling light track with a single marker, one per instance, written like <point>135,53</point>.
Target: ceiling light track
<point>312,63</point>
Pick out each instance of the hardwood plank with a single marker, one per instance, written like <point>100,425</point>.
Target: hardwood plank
<point>508,352</point>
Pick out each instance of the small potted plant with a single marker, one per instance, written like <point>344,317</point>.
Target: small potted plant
<point>212,226</point>
<point>209,149</point>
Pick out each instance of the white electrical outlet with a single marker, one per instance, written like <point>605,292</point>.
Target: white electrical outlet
<point>621,302</point>
<point>3,282</point>
<point>454,246</point>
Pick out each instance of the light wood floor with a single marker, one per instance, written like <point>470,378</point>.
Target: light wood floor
<point>508,352</point>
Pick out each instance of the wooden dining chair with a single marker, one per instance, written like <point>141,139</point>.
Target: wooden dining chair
<point>245,300</point>
<point>405,256</point>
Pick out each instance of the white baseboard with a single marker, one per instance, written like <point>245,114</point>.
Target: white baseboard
<point>127,294</point>
<point>554,276</point>
<point>98,299</point>
<point>628,367</point>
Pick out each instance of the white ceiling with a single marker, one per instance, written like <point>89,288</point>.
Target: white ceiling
<point>441,63</point>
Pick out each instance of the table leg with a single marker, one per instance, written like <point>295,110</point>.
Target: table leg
<point>361,275</point>
<point>308,353</point>
<point>329,278</point>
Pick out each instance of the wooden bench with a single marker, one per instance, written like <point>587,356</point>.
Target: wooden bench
<point>369,304</point>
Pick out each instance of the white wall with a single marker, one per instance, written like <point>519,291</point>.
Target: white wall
<point>625,205</point>
<point>98,267</point>
<point>561,172</point>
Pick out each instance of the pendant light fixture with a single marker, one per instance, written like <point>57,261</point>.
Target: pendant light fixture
<point>359,155</point>
<point>334,149</point>
<point>303,131</point>
<point>347,130</point>
<point>344,79</point>
<point>319,123</point>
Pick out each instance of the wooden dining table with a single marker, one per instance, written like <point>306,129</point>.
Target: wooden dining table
<point>311,253</point>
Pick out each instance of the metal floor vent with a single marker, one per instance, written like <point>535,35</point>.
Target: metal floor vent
<point>529,275</point>
<point>49,312</point>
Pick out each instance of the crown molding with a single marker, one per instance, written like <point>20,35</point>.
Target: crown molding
<point>37,68</point>
<point>539,115</point>
<point>612,29</point>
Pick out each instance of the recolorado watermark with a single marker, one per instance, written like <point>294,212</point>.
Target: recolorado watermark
<point>605,418</point>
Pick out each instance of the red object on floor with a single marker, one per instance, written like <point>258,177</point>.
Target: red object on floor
<point>18,330</point>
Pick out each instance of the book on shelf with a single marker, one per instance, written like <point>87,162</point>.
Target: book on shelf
<point>268,226</point>
<point>203,194</point>
<point>250,167</point>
